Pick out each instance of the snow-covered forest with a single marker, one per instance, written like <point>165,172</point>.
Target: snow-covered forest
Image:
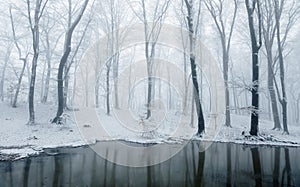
<point>80,71</point>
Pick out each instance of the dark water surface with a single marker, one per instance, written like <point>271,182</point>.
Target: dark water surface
<point>220,165</point>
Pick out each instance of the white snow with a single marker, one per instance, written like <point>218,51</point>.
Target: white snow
<point>18,140</point>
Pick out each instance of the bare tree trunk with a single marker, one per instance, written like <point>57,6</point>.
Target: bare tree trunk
<point>43,81</point>
<point>66,89</point>
<point>193,109</point>
<point>24,60</point>
<point>227,100</point>
<point>170,92</point>
<point>48,75</point>
<point>97,86</point>
<point>186,90</point>
<point>116,93</point>
<point>63,61</point>
<point>60,89</point>
<point>86,87</point>
<point>108,66</point>
<point>31,90</point>
<point>34,26</point>
<point>185,99</point>
<point>256,45</point>
<point>201,123</point>
<point>151,36</point>
<point>14,103</point>
<point>2,81</point>
<point>255,95</point>
<point>298,109</point>
<point>281,68</point>
<point>216,11</point>
<point>47,83</point>
<point>273,96</point>
<point>269,36</point>
<point>3,73</point>
<point>149,93</point>
<point>115,76</point>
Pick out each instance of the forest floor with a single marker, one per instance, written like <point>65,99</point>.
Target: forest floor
<point>18,140</point>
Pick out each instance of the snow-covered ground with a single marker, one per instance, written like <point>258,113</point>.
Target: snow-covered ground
<point>18,140</point>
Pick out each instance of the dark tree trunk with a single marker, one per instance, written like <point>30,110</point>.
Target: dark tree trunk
<point>284,115</point>
<point>201,123</point>
<point>149,93</point>
<point>255,94</point>
<point>63,61</point>
<point>256,45</point>
<point>60,87</point>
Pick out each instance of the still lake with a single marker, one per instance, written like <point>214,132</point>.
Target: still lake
<point>221,164</point>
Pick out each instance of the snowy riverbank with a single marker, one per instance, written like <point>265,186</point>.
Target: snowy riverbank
<point>19,140</point>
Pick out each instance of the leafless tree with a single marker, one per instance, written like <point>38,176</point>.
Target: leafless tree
<point>184,41</point>
<point>34,27</point>
<point>291,16</point>
<point>253,7</point>
<point>201,122</point>
<point>3,72</point>
<point>216,9</point>
<point>21,57</point>
<point>152,27</point>
<point>50,40</point>
<point>110,20</point>
<point>279,17</point>
<point>64,59</point>
<point>268,27</point>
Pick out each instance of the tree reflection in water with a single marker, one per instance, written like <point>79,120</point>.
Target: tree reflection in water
<point>228,151</point>
<point>256,166</point>
<point>192,166</point>
<point>276,167</point>
<point>287,168</point>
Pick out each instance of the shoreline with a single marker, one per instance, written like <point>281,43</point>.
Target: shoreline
<point>15,156</point>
